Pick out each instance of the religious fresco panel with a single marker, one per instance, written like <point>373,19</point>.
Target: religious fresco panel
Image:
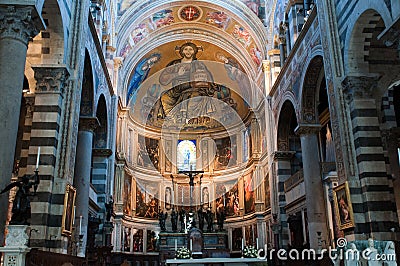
<point>249,197</point>
<point>151,241</point>
<point>148,152</point>
<point>228,195</point>
<point>237,238</point>
<point>218,18</point>
<point>147,199</point>
<point>137,239</point>
<point>127,239</point>
<point>127,195</point>
<point>226,153</point>
<point>267,193</point>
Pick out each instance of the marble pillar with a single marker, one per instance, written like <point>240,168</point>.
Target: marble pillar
<point>82,177</point>
<point>17,28</point>
<point>315,203</point>
<point>283,172</point>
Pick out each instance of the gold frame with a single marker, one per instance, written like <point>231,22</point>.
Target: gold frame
<point>69,203</point>
<point>342,192</point>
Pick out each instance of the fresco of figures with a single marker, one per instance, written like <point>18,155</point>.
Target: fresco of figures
<point>137,239</point>
<point>226,153</point>
<point>148,152</point>
<point>127,239</point>
<point>249,199</point>
<point>151,241</point>
<point>237,237</point>
<point>127,195</point>
<point>228,196</point>
<point>251,235</point>
<point>147,199</point>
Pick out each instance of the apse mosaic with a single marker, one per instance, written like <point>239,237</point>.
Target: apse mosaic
<point>147,195</point>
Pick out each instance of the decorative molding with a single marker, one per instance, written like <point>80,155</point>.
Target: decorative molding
<point>50,78</point>
<point>87,123</point>
<point>17,236</point>
<point>307,129</point>
<point>283,155</point>
<point>359,86</point>
<point>18,23</point>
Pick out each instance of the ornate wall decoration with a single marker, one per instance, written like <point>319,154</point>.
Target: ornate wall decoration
<point>190,13</point>
<point>147,199</point>
<point>218,18</point>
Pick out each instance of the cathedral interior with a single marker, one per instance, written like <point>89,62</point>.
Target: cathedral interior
<point>265,123</point>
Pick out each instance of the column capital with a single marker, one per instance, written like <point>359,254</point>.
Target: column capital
<point>19,22</point>
<point>50,78</point>
<point>266,66</point>
<point>359,86</point>
<point>87,123</point>
<point>307,129</point>
<point>283,155</point>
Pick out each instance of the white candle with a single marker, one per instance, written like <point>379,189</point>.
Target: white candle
<point>73,215</point>
<point>80,225</point>
<point>242,244</point>
<point>37,159</point>
<point>257,242</point>
<point>176,245</point>
<point>191,244</point>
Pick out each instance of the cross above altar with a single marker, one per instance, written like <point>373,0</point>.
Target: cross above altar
<point>191,174</point>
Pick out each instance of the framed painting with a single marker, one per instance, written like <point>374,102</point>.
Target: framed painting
<point>343,206</point>
<point>69,210</point>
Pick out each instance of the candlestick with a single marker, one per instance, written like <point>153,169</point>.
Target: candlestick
<point>257,242</point>
<point>80,225</point>
<point>176,245</point>
<point>191,245</point>
<point>73,215</point>
<point>37,159</point>
<point>242,244</point>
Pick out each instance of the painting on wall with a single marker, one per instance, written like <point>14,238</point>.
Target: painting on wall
<point>186,155</point>
<point>218,18</point>
<point>249,200</point>
<point>69,211</point>
<point>151,241</point>
<point>127,195</point>
<point>267,193</point>
<point>237,237</point>
<point>242,35</point>
<point>163,18</point>
<point>247,145</point>
<point>137,239</point>
<point>147,199</point>
<point>226,153</point>
<point>148,150</point>
<point>168,198</point>
<point>127,239</point>
<point>343,206</point>
<point>228,196</point>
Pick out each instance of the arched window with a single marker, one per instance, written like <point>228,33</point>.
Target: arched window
<point>186,155</point>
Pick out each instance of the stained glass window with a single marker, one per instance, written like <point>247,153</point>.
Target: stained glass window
<point>186,155</point>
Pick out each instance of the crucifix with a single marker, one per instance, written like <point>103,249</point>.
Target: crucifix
<point>191,174</point>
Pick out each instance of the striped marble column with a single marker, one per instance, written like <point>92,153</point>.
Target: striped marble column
<point>371,193</point>
<point>47,207</point>
<point>315,202</point>
<point>17,28</point>
<point>82,172</point>
<point>283,172</point>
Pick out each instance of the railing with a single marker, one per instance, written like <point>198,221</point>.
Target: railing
<point>294,180</point>
<point>44,258</point>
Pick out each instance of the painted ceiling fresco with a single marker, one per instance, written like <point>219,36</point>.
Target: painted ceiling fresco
<point>189,84</point>
<point>219,19</point>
